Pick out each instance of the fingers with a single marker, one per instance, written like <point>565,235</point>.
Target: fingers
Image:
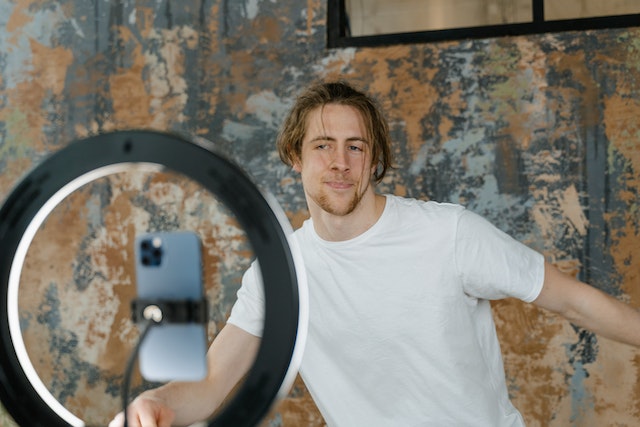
<point>133,421</point>
<point>117,421</point>
<point>166,418</point>
<point>146,420</point>
<point>145,414</point>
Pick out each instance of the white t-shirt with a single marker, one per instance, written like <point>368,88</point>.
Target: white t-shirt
<point>400,326</point>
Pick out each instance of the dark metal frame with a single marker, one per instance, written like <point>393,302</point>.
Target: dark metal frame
<point>337,34</point>
<point>253,211</point>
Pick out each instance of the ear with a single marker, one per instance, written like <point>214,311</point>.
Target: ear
<point>297,166</point>
<point>374,168</point>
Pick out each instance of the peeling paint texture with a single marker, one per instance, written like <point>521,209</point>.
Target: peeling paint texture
<point>539,134</point>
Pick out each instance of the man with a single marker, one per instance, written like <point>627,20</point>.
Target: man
<point>400,325</point>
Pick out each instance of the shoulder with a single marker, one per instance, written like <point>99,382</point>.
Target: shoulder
<point>424,206</point>
<point>305,231</point>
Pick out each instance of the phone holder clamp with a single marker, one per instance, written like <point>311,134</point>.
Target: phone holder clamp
<point>169,311</point>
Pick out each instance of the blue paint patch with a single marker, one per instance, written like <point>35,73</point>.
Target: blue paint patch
<point>276,421</point>
<point>49,308</point>
<point>159,218</point>
<point>69,371</point>
<point>583,352</point>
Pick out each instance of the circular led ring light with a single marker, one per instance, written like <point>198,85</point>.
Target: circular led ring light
<point>269,233</point>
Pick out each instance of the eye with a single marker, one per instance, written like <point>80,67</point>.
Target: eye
<point>356,146</point>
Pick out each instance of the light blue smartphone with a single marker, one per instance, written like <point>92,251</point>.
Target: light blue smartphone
<point>169,267</point>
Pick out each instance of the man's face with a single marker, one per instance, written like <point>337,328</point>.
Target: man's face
<point>335,163</point>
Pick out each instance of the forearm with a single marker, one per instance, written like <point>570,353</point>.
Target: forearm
<point>189,401</point>
<point>589,307</point>
<point>229,359</point>
<point>606,316</point>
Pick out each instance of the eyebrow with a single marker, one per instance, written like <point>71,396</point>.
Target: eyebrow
<point>330,138</point>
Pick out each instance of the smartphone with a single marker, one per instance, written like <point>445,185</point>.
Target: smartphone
<point>169,267</point>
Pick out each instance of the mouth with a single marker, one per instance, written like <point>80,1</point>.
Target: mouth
<point>339,185</point>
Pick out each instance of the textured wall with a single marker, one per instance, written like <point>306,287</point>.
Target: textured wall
<point>539,134</point>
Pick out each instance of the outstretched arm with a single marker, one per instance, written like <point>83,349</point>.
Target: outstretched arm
<point>589,307</point>
<point>182,403</point>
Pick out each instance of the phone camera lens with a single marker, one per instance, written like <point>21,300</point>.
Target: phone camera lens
<point>151,252</point>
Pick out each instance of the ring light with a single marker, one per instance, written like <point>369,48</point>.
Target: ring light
<point>21,390</point>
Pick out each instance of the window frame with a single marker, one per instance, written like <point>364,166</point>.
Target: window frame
<point>337,37</point>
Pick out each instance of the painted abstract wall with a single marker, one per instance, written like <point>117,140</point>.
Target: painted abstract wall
<point>539,134</point>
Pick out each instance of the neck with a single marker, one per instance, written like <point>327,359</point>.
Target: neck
<point>336,228</point>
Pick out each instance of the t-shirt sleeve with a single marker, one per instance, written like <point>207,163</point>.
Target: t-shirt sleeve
<point>493,265</point>
<point>248,311</point>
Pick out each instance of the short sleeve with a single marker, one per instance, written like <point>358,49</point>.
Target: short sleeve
<point>248,311</point>
<point>493,265</point>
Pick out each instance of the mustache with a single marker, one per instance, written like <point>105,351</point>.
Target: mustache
<point>340,177</point>
<point>339,180</point>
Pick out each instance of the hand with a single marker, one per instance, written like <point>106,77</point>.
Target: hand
<point>145,411</point>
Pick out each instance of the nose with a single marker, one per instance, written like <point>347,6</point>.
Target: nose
<point>339,160</point>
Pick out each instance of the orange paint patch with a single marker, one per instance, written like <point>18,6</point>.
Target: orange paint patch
<point>23,114</point>
<point>529,339</point>
<point>622,128</point>
<point>18,18</point>
<point>411,91</point>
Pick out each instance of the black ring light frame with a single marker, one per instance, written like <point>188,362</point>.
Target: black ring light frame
<point>28,205</point>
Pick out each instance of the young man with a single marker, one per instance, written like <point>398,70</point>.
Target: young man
<point>400,325</point>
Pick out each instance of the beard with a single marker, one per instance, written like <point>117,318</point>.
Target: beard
<point>338,209</point>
